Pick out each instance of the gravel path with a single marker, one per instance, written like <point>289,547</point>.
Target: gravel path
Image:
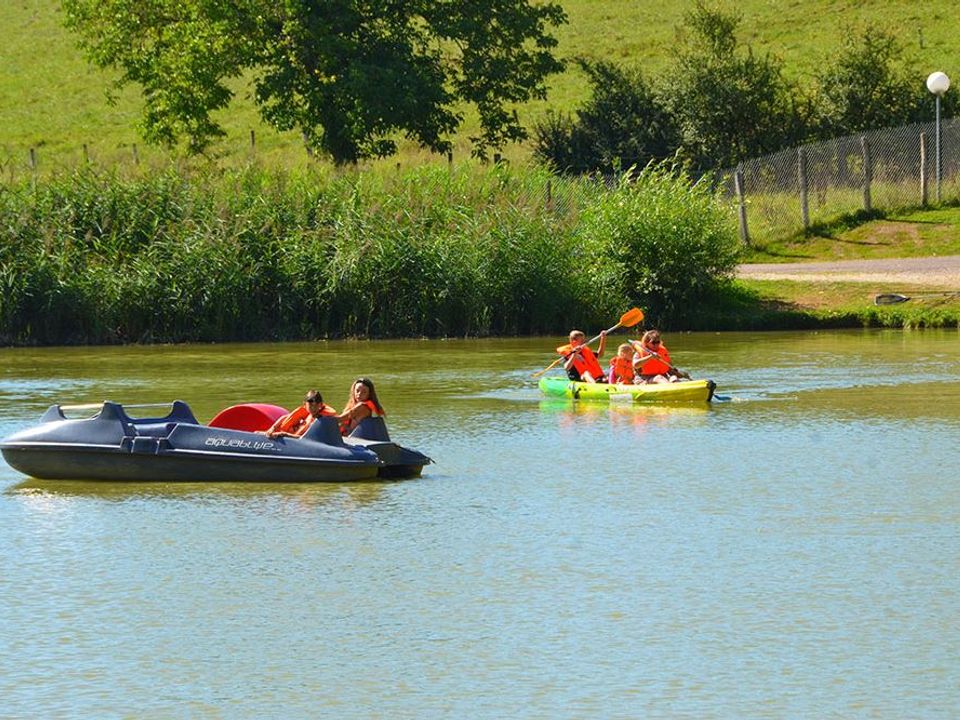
<point>929,272</point>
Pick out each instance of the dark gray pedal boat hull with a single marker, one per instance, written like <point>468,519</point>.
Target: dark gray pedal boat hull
<point>112,446</point>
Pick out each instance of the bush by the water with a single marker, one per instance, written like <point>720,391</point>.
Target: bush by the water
<point>256,255</point>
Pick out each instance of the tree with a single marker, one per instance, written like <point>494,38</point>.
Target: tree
<point>729,104</point>
<point>349,74</point>
<point>870,84</point>
<point>623,124</point>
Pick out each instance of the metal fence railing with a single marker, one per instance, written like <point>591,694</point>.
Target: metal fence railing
<point>792,190</point>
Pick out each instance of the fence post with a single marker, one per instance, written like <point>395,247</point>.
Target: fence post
<point>253,140</point>
<point>136,157</point>
<point>449,157</point>
<point>923,169</point>
<point>867,173</point>
<point>802,180</point>
<point>33,159</point>
<point>742,200</point>
<point>86,154</point>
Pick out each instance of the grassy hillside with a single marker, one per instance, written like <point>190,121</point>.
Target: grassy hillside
<point>51,99</point>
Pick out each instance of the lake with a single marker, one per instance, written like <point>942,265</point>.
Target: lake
<point>789,551</point>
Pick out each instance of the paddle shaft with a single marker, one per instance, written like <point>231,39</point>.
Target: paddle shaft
<point>560,359</point>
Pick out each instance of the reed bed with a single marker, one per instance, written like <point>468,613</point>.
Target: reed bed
<point>94,257</point>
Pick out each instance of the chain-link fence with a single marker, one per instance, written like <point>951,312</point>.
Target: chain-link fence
<point>793,190</point>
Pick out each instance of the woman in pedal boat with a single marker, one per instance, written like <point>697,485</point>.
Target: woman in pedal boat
<point>363,403</point>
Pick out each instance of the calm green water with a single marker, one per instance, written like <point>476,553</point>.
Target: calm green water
<point>793,552</point>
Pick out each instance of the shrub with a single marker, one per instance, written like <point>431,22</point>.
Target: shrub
<point>662,242</point>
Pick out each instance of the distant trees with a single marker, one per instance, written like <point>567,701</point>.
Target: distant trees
<point>870,84</point>
<point>721,103</point>
<point>622,124</point>
<point>350,75</point>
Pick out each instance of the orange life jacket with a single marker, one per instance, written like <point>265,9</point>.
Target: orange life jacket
<point>621,370</point>
<point>586,361</point>
<point>655,366</point>
<point>348,424</point>
<point>297,422</point>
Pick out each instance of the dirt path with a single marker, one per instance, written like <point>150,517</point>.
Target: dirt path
<point>929,272</point>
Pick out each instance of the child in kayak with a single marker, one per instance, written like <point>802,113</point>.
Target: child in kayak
<point>581,362</point>
<point>621,366</point>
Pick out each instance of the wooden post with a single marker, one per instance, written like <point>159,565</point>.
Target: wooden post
<point>136,157</point>
<point>33,159</point>
<point>867,173</point>
<point>923,169</point>
<point>742,200</point>
<point>86,153</point>
<point>253,140</point>
<point>802,180</point>
<point>450,157</point>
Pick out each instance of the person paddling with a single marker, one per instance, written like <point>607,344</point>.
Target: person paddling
<point>581,362</point>
<point>652,360</point>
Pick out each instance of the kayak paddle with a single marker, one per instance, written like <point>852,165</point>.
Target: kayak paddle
<point>678,371</point>
<point>630,318</point>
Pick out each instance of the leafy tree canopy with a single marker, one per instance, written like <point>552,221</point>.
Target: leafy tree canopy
<point>729,104</point>
<point>349,74</point>
<point>870,84</point>
<point>623,124</point>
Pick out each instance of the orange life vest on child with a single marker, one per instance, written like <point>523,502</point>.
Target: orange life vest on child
<point>585,361</point>
<point>621,370</point>
<point>297,422</point>
<point>655,366</point>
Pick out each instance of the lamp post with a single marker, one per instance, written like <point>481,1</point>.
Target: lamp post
<point>938,83</point>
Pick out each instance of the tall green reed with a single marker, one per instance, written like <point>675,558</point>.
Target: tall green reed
<point>92,257</point>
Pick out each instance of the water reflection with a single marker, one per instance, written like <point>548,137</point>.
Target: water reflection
<point>303,494</point>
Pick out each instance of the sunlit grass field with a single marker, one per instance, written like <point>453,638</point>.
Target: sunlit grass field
<point>52,100</point>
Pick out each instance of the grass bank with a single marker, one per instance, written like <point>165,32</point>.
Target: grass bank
<point>905,233</point>
<point>796,305</point>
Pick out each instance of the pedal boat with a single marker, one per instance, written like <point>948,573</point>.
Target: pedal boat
<point>686,391</point>
<point>114,446</point>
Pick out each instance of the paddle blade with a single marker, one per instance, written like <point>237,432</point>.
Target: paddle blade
<point>889,299</point>
<point>631,317</point>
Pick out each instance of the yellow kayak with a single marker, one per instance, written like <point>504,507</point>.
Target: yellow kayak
<point>682,391</point>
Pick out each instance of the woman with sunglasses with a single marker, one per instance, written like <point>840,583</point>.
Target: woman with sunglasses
<point>652,360</point>
<point>296,423</point>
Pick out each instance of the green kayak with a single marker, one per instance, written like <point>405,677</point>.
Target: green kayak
<point>684,391</point>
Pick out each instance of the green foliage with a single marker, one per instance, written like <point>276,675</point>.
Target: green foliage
<point>870,84</point>
<point>349,75</point>
<point>623,124</point>
<point>252,255</point>
<point>662,242</point>
<point>729,105</point>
